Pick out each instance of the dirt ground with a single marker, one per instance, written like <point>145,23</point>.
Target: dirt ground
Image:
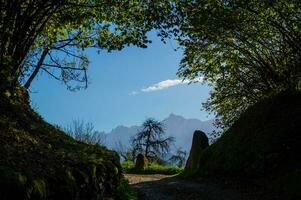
<point>165,187</point>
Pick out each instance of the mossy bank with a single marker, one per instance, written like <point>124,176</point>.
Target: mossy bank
<point>38,161</point>
<point>263,145</point>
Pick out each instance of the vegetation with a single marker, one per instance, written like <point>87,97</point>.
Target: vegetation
<point>39,161</point>
<point>84,132</point>
<point>179,158</point>
<point>52,36</point>
<point>246,50</point>
<point>150,141</point>
<point>153,168</point>
<point>127,154</point>
<point>34,34</point>
<point>125,191</point>
<point>261,146</point>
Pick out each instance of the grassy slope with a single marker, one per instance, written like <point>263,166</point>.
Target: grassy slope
<point>263,145</point>
<point>37,161</point>
<point>129,167</point>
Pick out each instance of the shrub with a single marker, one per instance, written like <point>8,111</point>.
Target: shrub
<point>125,191</point>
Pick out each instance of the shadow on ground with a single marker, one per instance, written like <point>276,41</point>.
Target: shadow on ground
<point>162,187</point>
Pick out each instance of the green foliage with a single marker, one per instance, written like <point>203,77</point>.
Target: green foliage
<point>246,50</point>
<point>125,191</point>
<point>162,169</point>
<point>57,33</point>
<point>37,188</point>
<point>129,167</point>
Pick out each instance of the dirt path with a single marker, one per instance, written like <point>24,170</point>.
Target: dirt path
<point>163,187</point>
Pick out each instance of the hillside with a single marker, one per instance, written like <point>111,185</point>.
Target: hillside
<point>177,126</point>
<point>38,161</point>
<point>262,146</point>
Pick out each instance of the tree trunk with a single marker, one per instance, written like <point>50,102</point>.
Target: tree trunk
<point>37,69</point>
<point>147,144</point>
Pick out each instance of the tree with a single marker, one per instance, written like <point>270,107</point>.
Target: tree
<point>84,132</point>
<point>179,157</point>
<point>246,50</point>
<point>52,35</point>
<point>127,154</point>
<point>150,140</point>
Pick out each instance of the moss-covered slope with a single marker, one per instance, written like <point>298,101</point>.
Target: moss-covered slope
<point>263,145</point>
<point>38,161</point>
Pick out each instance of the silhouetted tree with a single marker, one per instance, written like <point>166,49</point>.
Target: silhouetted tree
<point>151,140</point>
<point>179,157</point>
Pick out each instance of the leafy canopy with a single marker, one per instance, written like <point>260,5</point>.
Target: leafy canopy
<point>246,50</point>
<point>52,35</point>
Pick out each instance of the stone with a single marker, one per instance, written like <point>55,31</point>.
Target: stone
<point>199,143</point>
<point>141,162</point>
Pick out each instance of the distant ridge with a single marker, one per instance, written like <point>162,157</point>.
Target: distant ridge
<point>175,125</point>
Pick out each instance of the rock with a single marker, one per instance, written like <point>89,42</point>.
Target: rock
<point>141,162</point>
<point>199,143</point>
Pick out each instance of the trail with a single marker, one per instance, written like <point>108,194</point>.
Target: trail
<point>164,187</point>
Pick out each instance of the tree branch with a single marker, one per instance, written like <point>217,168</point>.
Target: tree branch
<point>37,69</point>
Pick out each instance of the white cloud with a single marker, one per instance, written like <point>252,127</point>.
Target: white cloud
<point>166,84</point>
<point>133,93</point>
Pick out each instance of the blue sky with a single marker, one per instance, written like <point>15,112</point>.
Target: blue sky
<point>125,88</point>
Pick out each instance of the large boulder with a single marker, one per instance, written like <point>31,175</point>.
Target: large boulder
<point>199,143</point>
<point>141,162</point>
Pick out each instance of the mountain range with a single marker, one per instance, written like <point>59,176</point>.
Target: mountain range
<point>177,126</point>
